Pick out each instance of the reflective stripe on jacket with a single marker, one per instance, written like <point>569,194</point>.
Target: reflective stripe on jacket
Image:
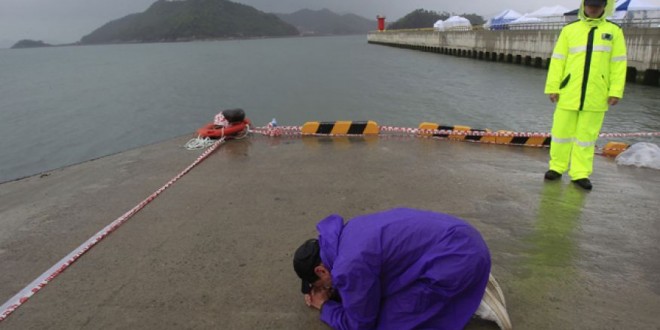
<point>588,65</point>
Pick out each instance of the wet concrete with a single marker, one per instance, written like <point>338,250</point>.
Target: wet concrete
<point>214,250</point>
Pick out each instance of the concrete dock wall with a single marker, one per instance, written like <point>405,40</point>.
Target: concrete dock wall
<point>528,47</point>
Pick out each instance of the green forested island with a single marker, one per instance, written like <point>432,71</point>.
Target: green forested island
<point>26,43</point>
<point>183,20</point>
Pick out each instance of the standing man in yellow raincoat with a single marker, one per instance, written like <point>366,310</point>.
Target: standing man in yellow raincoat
<point>587,75</point>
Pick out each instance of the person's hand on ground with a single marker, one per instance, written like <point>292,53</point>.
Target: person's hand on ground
<point>317,297</point>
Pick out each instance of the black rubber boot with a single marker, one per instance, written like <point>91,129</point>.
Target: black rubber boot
<point>583,183</point>
<point>552,175</point>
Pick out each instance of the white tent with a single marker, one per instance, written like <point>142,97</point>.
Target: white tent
<point>635,5</point>
<point>457,23</point>
<point>635,10</point>
<point>622,7</point>
<point>499,21</point>
<point>555,11</point>
<point>527,19</point>
<point>525,22</point>
<point>508,14</point>
<point>439,25</point>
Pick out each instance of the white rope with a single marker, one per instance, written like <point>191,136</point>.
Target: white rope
<point>199,143</point>
<point>203,143</point>
<point>242,134</point>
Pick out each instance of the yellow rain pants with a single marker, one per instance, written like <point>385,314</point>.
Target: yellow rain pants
<point>574,135</point>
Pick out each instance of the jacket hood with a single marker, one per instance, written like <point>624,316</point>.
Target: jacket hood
<point>330,230</point>
<point>609,10</point>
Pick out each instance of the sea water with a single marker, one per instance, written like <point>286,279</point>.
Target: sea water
<point>65,105</point>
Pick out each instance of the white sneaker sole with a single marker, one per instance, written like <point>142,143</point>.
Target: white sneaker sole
<point>494,286</point>
<point>493,306</point>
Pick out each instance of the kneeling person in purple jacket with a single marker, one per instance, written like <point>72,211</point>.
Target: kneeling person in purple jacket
<point>397,269</point>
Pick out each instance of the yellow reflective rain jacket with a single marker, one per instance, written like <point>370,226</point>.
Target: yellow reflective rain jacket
<point>588,63</point>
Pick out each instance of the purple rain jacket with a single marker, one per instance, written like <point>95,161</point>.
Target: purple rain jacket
<point>403,269</point>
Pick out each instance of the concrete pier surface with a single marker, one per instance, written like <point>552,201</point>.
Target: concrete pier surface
<point>214,251</point>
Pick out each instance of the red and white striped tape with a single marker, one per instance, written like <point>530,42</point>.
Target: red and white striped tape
<point>278,130</point>
<point>391,131</point>
<point>297,130</point>
<point>637,134</point>
<point>21,297</point>
<point>503,134</point>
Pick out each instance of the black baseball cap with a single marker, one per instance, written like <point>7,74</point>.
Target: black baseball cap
<point>595,2</point>
<point>306,258</point>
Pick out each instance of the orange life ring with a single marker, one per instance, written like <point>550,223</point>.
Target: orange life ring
<point>212,131</point>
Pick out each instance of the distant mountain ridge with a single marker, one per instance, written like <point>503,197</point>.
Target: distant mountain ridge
<point>191,20</point>
<point>185,20</point>
<point>326,22</point>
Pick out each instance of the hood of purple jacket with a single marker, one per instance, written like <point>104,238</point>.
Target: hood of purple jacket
<point>330,230</point>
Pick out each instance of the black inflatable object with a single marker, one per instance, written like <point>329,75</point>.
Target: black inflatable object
<point>234,115</point>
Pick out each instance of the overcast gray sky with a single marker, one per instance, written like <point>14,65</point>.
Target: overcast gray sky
<point>65,21</point>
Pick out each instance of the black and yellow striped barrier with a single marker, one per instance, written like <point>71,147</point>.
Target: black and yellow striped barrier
<point>341,128</point>
<point>534,141</point>
<point>537,141</point>
<point>428,128</point>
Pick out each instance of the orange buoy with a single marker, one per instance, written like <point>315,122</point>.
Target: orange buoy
<point>213,131</point>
